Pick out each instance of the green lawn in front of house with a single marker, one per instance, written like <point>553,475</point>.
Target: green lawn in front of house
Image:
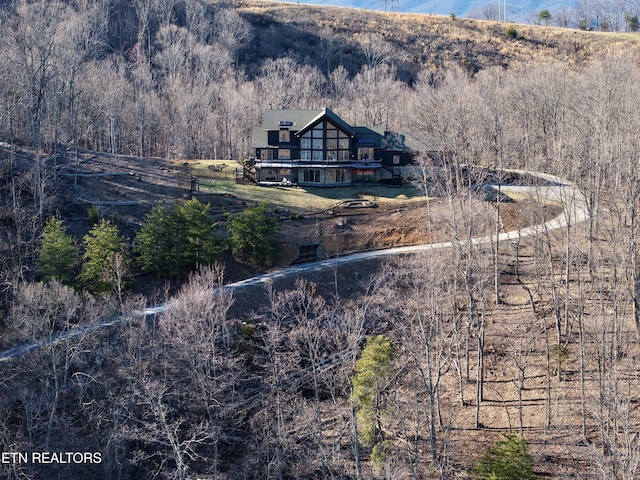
<point>300,199</point>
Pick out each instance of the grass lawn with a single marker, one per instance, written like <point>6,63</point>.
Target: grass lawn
<point>300,199</point>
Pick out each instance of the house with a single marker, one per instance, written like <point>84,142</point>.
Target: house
<point>318,148</point>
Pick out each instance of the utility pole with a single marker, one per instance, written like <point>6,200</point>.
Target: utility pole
<point>389,4</point>
<point>502,10</point>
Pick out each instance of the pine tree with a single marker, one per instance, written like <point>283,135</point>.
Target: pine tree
<point>57,253</point>
<point>105,258</point>
<point>251,234</point>
<point>158,242</point>
<point>374,370</point>
<point>176,239</point>
<point>201,247</point>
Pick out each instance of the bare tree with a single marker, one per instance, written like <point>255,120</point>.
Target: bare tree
<point>232,31</point>
<point>375,49</point>
<point>31,38</point>
<point>522,341</point>
<point>376,92</point>
<point>283,83</point>
<point>426,319</point>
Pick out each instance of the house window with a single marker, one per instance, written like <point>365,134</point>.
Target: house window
<point>337,176</point>
<point>325,143</point>
<point>343,155</point>
<point>396,159</point>
<point>284,135</point>
<point>266,154</point>
<point>311,175</point>
<point>284,154</point>
<point>365,154</point>
<point>268,175</point>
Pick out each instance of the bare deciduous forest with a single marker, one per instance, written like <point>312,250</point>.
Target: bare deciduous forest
<point>396,369</point>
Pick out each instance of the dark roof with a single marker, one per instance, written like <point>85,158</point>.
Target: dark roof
<point>335,119</point>
<point>298,118</point>
<point>369,137</point>
<point>300,121</point>
<point>260,138</point>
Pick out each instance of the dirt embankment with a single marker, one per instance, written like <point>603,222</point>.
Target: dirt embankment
<point>127,188</point>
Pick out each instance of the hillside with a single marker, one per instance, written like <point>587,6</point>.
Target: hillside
<point>114,108</point>
<point>462,8</point>
<point>418,41</point>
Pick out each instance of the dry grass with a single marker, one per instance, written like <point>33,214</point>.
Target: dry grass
<point>309,200</point>
<point>430,41</point>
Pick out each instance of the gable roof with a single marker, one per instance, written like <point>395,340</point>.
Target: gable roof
<point>260,138</point>
<point>333,118</point>
<point>369,136</point>
<point>302,120</point>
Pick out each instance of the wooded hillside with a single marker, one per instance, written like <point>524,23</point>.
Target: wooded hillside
<point>394,369</point>
<point>191,78</point>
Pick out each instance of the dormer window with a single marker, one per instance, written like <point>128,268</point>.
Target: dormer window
<point>285,136</point>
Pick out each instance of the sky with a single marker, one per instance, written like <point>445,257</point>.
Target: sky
<point>516,10</point>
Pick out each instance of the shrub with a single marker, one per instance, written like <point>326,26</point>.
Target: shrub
<point>511,32</point>
<point>507,459</point>
<point>115,218</point>
<point>93,213</point>
<point>379,455</point>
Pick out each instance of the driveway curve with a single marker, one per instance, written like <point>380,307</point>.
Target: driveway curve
<point>557,191</point>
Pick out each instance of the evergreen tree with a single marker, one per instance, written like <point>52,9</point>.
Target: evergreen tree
<point>633,24</point>
<point>374,370</point>
<point>201,247</point>
<point>158,242</point>
<point>507,459</point>
<point>251,234</point>
<point>544,17</point>
<point>176,239</point>
<point>57,253</point>
<point>105,258</point>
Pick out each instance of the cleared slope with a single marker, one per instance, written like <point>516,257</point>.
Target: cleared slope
<point>418,41</point>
